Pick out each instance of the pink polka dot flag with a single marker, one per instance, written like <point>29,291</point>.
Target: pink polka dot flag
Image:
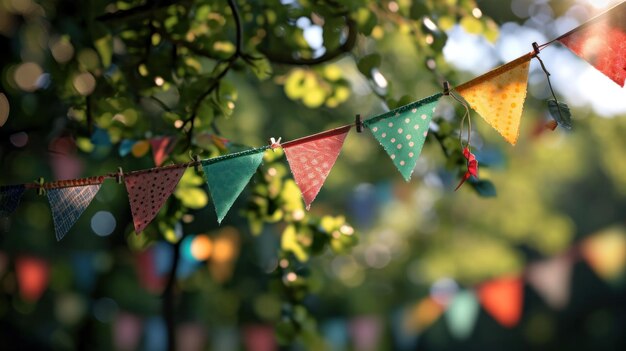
<point>312,158</point>
<point>602,43</point>
<point>148,191</point>
<point>402,132</point>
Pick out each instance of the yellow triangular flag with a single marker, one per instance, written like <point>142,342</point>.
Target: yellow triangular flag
<point>498,96</point>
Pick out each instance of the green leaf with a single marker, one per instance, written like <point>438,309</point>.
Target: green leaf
<point>367,63</point>
<point>561,113</point>
<point>472,25</point>
<point>285,331</point>
<point>366,20</point>
<point>194,198</point>
<point>260,67</point>
<point>290,242</point>
<point>484,188</point>
<point>103,44</point>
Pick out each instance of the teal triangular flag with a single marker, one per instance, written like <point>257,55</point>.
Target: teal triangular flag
<point>228,175</point>
<point>402,132</point>
<point>67,204</point>
<point>462,314</point>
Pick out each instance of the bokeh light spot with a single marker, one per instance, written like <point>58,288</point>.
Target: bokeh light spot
<point>104,309</point>
<point>201,247</point>
<point>84,83</point>
<point>62,50</point>
<point>19,139</point>
<point>4,109</point>
<point>103,223</point>
<point>26,76</point>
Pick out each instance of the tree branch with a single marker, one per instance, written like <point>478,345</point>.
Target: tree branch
<point>139,11</point>
<point>216,81</point>
<point>344,48</point>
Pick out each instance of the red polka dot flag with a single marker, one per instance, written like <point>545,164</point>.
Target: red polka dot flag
<point>311,159</point>
<point>148,191</point>
<point>602,43</point>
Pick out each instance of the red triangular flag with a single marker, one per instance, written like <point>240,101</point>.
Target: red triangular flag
<point>32,276</point>
<point>148,191</point>
<point>311,159</point>
<point>503,299</point>
<point>161,147</point>
<point>602,43</point>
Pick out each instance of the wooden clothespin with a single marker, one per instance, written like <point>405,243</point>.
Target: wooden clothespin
<point>446,88</point>
<point>358,122</point>
<point>41,190</point>
<point>197,163</point>
<point>536,48</point>
<point>119,177</point>
<point>274,143</point>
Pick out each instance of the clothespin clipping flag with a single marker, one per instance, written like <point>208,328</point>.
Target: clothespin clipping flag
<point>148,191</point>
<point>227,176</point>
<point>602,43</point>
<point>312,158</point>
<point>402,132</point>
<point>498,96</point>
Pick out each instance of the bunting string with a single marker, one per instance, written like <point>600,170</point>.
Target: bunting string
<point>497,96</point>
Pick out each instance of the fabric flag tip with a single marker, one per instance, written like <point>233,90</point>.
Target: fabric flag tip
<point>312,158</point>
<point>601,43</point>
<point>402,132</point>
<point>161,147</point>
<point>228,177</point>
<point>148,191</point>
<point>503,299</point>
<point>498,96</point>
<point>68,204</point>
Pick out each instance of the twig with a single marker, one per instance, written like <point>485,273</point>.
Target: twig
<point>139,11</point>
<point>346,47</point>
<point>230,63</point>
<point>160,103</point>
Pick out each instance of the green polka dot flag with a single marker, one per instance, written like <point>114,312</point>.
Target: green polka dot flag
<point>402,132</point>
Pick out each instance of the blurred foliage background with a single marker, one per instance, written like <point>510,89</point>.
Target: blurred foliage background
<point>86,85</point>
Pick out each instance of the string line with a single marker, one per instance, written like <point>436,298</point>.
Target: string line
<point>100,179</point>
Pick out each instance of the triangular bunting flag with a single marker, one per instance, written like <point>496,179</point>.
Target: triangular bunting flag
<point>498,96</point>
<point>551,279</point>
<point>33,274</point>
<point>605,252</point>
<point>602,43</point>
<point>10,197</point>
<point>503,299</point>
<point>312,158</point>
<point>148,191</point>
<point>228,176</point>
<point>161,147</point>
<point>462,314</point>
<point>67,204</point>
<point>402,132</point>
